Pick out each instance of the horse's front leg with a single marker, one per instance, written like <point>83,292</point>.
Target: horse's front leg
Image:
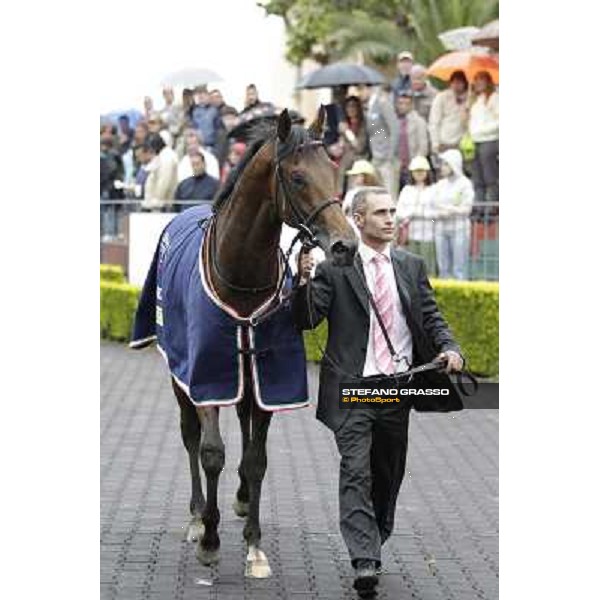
<point>255,466</point>
<point>212,457</point>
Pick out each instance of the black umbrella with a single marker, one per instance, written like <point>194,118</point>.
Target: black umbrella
<point>341,74</point>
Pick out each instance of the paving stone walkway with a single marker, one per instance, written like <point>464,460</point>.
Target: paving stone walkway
<point>445,544</point>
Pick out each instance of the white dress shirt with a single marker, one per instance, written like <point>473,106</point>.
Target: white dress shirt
<point>399,335</point>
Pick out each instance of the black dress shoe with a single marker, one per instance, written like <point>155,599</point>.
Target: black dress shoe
<point>365,578</point>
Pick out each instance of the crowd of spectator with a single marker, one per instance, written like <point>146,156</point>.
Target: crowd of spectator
<point>436,151</point>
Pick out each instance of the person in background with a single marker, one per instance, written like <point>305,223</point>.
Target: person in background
<point>484,127</point>
<point>199,186</point>
<point>415,215</point>
<point>235,155</point>
<point>382,129</point>
<point>353,132</point>
<point>193,141</point>
<point>126,134</point>
<point>111,171</point>
<point>142,158</point>
<point>205,117</point>
<point>172,115</point>
<point>452,202</point>
<point>216,99</point>
<point>423,92</point>
<point>187,104</point>
<point>155,123</point>
<point>448,116</point>
<point>252,101</point>
<point>148,106</point>
<point>412,139</point>
<point>402,82</point>
<point>161,181</point>
<point>229,118</point>
<point>361,174</point>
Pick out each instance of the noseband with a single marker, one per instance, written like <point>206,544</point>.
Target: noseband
<point>301,221</point>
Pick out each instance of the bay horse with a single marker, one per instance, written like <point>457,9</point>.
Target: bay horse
<point>285,176</point>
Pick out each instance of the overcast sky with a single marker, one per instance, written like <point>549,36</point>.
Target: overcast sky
<point>232,37</point>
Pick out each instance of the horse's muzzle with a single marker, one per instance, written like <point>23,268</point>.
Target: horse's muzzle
<point>342,252</point>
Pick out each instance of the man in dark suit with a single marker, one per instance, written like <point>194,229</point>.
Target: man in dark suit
<point>372,441</point>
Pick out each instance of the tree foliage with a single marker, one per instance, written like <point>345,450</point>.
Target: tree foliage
<point>328,30</point>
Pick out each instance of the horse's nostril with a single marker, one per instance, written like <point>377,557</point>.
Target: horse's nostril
<point>343,247</point>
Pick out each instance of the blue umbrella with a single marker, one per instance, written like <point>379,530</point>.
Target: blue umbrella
<point>113,116</point>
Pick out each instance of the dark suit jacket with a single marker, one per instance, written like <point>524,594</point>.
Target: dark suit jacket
<point>338,294</point>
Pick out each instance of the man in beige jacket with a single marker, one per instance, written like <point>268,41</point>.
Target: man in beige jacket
<point>159,189</point>
<point>449,114</point>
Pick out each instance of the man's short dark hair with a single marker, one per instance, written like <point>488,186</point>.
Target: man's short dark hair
<point>250,86</point>
<point>154,143</point>
<point>124,118</point>
<point>360,197</point>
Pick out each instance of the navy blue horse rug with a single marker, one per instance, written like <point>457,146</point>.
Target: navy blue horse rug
<point>201,338</point>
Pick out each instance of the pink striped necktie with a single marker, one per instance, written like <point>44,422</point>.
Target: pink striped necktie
<point>382,295</point>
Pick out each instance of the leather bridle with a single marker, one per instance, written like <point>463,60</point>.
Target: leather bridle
<point>301,221</point>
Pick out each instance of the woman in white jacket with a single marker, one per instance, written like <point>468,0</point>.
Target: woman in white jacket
<point>415,213</point>
<point>453,201</point>
<point>484,127</point>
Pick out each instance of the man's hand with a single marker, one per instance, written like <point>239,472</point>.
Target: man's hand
<point>453,360</point>
<point>306,262</point>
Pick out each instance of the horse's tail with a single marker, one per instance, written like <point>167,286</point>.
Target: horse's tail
<point>144,326</point>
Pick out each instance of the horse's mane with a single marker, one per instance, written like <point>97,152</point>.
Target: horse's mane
<point>258,136</point>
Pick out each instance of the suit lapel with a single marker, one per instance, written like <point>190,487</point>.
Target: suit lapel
<point>354,274</point>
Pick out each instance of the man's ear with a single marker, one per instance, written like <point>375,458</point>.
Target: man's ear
<point>316,127</point>
<point>284,125</point>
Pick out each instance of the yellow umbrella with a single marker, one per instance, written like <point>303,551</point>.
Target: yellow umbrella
<point>467,61</point>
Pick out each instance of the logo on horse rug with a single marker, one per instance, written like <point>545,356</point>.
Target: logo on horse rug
<point>203,340</point>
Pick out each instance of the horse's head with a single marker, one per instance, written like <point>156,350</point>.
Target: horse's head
<point>305,181</point>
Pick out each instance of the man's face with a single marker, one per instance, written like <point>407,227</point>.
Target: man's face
<point>154,125</point>
<point>458,86</point>
<point>201,98</point>
<point>216,99</point>
<point>251,95</point>
<point>404,66</point>
<point>403,105</point>
<point>191,138</point>
<point>168,95</point>
<point>418,79</point>
<point>230,121</point>
<point>140,134</point>
<point>376,223</point>
<point>365,92</point>
<point>197,162</point>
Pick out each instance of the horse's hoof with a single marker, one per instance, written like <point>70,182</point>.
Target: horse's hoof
<point>241,508</point>
<point>207,557</point>
<point>257,565</point>
<point>195,530</point>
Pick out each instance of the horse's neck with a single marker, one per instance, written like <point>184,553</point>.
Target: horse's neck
<point>247,235</point>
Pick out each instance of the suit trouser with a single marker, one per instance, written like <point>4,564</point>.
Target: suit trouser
<point>372,445</point>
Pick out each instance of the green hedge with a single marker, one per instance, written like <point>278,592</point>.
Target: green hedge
<point>470,307</point>
<point>118,302</point>
<point>112,273</point>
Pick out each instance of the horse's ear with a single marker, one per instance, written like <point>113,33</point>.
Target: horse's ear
<point>284,125</point>
<point>316,127</point>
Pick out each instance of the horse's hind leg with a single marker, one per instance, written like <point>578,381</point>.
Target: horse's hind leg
<point>190,433</point>
<point>255,466</point>
<point>212,457</point>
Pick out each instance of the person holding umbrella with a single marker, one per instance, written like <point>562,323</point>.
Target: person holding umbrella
<point>484,128</point>
<point>449,114</point>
